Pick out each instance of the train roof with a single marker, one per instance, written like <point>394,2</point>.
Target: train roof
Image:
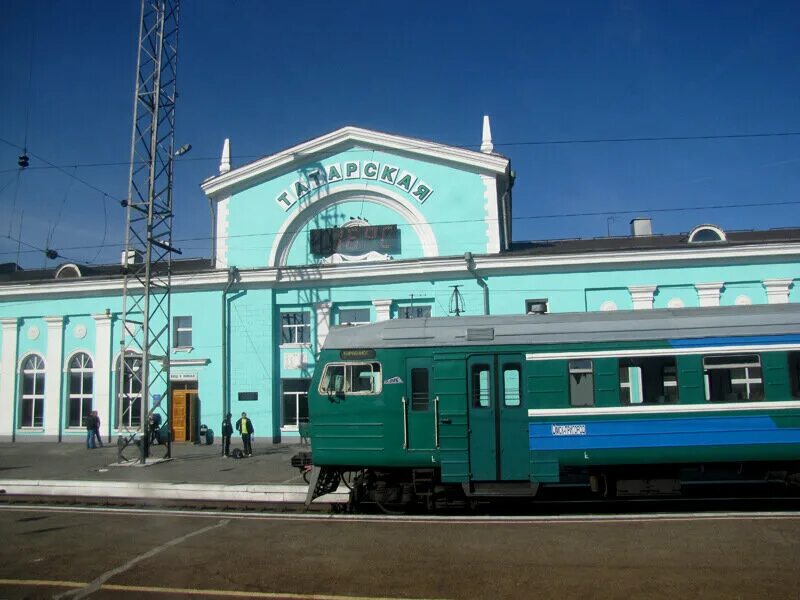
<point>562,328</point>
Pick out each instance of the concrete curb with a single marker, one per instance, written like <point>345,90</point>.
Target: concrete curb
<point>210,492</point>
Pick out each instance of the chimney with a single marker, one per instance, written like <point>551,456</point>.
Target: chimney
<point>131,257</point>
<point>641,227</point>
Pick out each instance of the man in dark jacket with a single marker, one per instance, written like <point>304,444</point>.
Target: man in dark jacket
<point>245,427</point>
<point>91,426</point>
<point>227,432</point>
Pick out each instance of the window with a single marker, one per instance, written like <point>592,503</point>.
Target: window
<point>353,316</point>
<point>414,312</point>
<point>182,332</point>
<point>80,389</point>
<point>648,380</point>
<point>581,382</point>
<point>31,412</point>
<point>129,398</point>
<point>295,401</point>
<point>733,378</point>
<point>296,327</point>
<point>536,306</point>
<point>351,378</point>
<point>481,397</point>
<point>511,378</point>
<point>420,396</point>
<point>706,233</point>
<point>794,373</point>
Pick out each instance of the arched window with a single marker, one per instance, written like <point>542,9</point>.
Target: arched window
<point>129,398</point>
<point>31,409</point>
<point>706,233</point>
<point>81,379</point>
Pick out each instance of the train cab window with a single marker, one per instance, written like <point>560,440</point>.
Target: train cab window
<point>581,382</point>
<point>794,373</point>
<point>733,378</point>
<point>351,378</point>
<point>420,396</point>
<point>648,380</point>
<point>480,386</point>
<point>511,378</point>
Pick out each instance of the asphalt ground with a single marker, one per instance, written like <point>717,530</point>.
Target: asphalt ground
<point>60,553</point>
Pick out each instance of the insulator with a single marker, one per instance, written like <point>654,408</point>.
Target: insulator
<point>23,160</point>
<point>51,254</point>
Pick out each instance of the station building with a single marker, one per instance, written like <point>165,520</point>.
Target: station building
<point>352,227</point>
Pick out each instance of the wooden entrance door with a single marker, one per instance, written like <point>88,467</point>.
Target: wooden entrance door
<point>181,418</point>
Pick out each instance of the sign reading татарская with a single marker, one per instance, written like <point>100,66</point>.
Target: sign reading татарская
<point>354,169</point>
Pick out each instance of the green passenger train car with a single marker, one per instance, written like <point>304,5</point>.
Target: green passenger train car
<point>504,406</point>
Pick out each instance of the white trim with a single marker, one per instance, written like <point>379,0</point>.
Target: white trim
<point>383,310</point>
<point>491,218</point>
<point>65,266</point>
<point>664,408</point>
<point>707,227</point>
<point>53,375</point>
<point>708,293</point>
<point>309,275</point>
<point>642,296</point>
<point>777,290</point>
<point>661,352</point>
<point>238,178</point>
<point>221,229</point>
<point>101,391</point>
<point>322,316</point>
<point>293,226</point>
<point>8,375</point>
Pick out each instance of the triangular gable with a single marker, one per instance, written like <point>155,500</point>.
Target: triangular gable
<point>226,183</point>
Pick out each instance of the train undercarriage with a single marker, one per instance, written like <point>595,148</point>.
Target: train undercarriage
<point>401,491</point>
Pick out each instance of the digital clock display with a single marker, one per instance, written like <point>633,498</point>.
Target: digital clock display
<point>356,240</point>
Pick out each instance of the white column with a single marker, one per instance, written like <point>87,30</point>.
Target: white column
<point>708,293</point>
<point>101,401</point>
<point>383,310</point>
<point>323,316</point>
<point>52,377</point>
<point>8,372</point>
<point>777,290</point>
<point>642,296</point>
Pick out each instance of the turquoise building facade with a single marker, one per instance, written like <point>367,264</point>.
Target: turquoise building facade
<point>353,227</point>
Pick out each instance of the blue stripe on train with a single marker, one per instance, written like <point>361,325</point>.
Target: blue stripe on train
<point>736,341</point>
<point>659,433</point>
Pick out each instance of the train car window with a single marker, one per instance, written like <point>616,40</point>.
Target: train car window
<point>581,382</point>
<point>648,380</point>
<point>794,373</point>
<point>419,389</point>
<point>351,378</point>
<point>480,386</point>
<point>733,378</point>
<point>511,377</point>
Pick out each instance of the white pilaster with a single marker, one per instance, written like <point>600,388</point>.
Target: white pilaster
<point>492,218</point>
<point>383,310</point>
<point>322,311</point>
<point>777,290</point>
<point>221,233</point>
<point>52,377</point>
<point>708,293</point>
<point>642,296</point>
<point>8,374</point>
<point>101,390</point>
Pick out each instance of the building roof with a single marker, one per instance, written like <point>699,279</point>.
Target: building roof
<point>10,275</point>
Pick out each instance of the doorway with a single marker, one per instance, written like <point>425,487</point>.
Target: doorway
<point>185,414</point>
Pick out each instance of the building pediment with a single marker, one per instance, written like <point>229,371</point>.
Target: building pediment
<point>336,141</point>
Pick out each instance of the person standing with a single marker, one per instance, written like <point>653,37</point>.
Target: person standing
<point>90,427</point>
<point>227,432</point>
<point>97,430</point>
<point>245,427</point>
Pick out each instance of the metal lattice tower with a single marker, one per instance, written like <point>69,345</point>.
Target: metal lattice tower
<point>143,388</point>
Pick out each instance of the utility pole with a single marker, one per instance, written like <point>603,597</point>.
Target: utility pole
<point>143,381</point>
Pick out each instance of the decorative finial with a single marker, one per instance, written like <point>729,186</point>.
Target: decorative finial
<point>486,140</point>
<point>225,161</point>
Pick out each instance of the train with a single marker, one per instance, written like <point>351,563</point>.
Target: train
<point>425,412</point>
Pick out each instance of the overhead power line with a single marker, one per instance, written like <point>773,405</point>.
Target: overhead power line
<point>574,141</point>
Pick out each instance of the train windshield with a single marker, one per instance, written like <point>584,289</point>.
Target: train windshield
<point>351,378</point>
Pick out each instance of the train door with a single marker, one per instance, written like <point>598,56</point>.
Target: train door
<point>421,407</point>
<point>497,418</point>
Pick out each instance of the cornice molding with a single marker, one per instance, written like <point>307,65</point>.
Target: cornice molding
<point>303,276</point>
<point>488,163</point>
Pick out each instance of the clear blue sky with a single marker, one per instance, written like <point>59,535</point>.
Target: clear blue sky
<point>271,74</point>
